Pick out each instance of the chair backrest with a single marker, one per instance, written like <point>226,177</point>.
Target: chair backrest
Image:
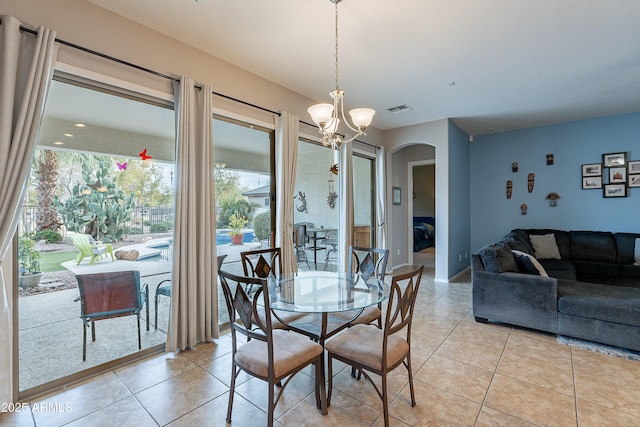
<point>300,235</point>
<point>262,262</point>
<point>245,309</point>
<point>400,305</point>
<point>368,261</point>
<point>81,241</point>
<point>221,260</point>
<point>110,294</point>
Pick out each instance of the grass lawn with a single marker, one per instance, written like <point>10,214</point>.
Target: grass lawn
<point>52,261</point>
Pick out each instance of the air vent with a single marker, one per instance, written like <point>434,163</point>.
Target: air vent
<point>400,108</point>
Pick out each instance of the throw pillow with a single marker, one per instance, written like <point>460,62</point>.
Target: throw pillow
<point>545,246</point>
<point>636,253</point>
<point>528,264</point>
<point>499,259</point>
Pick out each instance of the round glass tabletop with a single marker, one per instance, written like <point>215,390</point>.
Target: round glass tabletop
<point>324,292</point>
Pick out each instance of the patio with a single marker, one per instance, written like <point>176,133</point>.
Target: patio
<point>50,329</point>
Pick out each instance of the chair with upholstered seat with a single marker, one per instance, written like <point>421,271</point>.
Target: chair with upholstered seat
<point>269,354</point>
<point>263,263</point>
<point>164,289</point>
<point>367,262</point>
<point>110,295</point>
<point>378,351</point>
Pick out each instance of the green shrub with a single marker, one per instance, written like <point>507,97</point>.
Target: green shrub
<point>262,225</point>
<point>49,235</point>
<point>161,227</point>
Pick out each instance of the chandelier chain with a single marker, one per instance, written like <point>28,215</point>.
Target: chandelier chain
<point>336,13</point>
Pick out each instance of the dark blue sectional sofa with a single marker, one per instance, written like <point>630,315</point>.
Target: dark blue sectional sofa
<point>592,292</point>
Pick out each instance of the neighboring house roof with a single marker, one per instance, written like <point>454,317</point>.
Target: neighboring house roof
<point>260,191</point>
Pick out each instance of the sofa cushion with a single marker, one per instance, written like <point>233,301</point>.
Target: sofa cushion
<point>625,244</point>
<point>498,258</point>
<point>593,246</point>
<point>608,303</point>
<point>528,264</point>
<point>562,239</point>
<point>559,268</point>
<point>545,246</point>
<point>518,240</point>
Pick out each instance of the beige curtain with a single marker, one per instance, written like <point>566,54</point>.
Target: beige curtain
<point>26,69</point>
<point>381,200</point>
<point>286,165</point>
<point>194,293</point>
<point>346,204</point>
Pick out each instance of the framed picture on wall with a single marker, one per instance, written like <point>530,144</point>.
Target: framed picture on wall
<point>591,182</point>
<point>593,169</point>
<point>612,160</point>
<point>615,190</point>
<point>617,175</point>
<point>397,195</point>
<point>634,181</point>
<point>634,167</point>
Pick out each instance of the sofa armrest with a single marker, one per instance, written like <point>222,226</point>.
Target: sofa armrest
<point>515,298</point>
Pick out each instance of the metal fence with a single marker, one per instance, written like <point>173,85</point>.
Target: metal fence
<point>144,220</point>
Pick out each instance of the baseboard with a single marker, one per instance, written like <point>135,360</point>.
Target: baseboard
<point>461,273</point>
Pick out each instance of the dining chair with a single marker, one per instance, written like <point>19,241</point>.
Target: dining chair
<point>300,243</point>
<point>367,262</point>
<point>110,295</point>
<point>379,351</point>
<point>269,354</point>
<point>164,289</point>
<point>264,263</point>
<point>331,247</point>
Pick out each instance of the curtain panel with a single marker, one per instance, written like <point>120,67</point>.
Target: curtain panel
<point>194,292</point>
<point>286,166</point>
<point>26,69</point>
<point>345,176</point>
<point>381,200</point>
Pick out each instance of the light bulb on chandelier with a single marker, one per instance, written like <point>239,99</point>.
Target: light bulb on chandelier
<point>327,116</point>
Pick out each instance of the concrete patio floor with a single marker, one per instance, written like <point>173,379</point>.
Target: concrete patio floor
<point>50,328</point>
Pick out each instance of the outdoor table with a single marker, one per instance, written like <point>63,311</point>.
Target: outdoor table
<point>316,234</point>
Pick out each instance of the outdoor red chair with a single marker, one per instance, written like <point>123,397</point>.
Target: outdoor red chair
<point>109,295</point>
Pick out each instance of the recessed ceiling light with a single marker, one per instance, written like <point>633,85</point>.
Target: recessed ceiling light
<point>451,83</point>
<point>70,135</point>
<point>80,125</point>
<point>58,143</point>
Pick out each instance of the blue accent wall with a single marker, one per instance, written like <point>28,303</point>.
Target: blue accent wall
<point>572,144</point>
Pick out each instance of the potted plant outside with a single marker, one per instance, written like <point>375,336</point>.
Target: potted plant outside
<point>237,223</point>
<point>29,273</point>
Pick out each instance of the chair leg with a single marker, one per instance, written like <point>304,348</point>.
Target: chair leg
<point>320,388</point>
<point>330,377</point>
<point>232,389</point>
<point>84,342</point>
<point>271,407</point>
<point>139,338</point>
<point>93,330</point>
<point>157,297</point>
<point>385,400</point>
<point>409,369</point>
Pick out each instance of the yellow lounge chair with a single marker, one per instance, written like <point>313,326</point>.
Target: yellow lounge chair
<point>88,247</point>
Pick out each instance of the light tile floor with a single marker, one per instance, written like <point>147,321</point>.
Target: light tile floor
<point>466,374</point>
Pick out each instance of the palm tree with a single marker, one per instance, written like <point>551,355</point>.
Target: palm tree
<point>46,176</point>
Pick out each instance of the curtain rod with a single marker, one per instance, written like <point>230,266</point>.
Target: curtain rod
<point>147,70</point>
<point>166,76</point>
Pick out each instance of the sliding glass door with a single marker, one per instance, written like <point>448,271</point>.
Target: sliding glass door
<point>99,200</point>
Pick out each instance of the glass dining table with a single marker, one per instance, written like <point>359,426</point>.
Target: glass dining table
<point>322,295</point>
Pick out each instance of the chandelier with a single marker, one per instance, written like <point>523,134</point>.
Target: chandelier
<point>327,116</point>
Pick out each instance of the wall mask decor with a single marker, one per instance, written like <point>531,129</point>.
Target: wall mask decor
<point>523,209</point>
<point>552,198</point>
<point>530,181</point>
<point>514,167</point>
<point>509,189</point>
<point>549,159</point>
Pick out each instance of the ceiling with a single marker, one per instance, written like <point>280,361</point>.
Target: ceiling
<point>491,66</point>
